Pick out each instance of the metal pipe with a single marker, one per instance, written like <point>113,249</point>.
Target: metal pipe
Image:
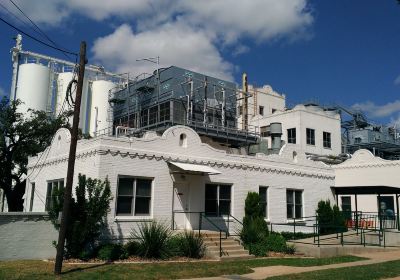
<point>15,59</point>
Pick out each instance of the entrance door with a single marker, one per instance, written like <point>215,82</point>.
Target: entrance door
<point>181,205</point>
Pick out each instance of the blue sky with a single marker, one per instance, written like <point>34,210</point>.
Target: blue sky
<point>335,52</point>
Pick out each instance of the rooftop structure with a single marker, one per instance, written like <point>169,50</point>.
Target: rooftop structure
<point>175,95</point>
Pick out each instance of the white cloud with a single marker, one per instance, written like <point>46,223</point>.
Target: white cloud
<point>378,111</point>
<point>175,43</point>
<point>395,121</point>
<point>397,81</point>
<point>187,33</point>
<point>2,92</point>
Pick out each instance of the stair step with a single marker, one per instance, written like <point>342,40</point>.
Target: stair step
<point>216,243</point>
<point>225,248</point>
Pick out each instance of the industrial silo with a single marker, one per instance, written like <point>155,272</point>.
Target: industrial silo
<point>63,80</point>
<point>99,107</point>
<point>33,87</point>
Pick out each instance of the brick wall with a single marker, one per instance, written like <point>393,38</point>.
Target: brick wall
<point>26,236</point>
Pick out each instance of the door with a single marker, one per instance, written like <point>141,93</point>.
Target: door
<point>181,206</point>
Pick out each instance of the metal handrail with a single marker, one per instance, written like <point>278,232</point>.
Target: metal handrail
<point>220,232</point>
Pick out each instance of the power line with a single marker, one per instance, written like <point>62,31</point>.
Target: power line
<point>38,28</point>
<point>36,39</point>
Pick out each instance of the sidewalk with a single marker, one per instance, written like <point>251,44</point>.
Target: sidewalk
<point>269,271</point>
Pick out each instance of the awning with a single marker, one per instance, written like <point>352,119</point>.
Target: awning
<point>194,168</point>
<point>366,190</point>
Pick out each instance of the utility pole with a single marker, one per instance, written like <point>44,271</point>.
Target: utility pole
<point>71,162</point>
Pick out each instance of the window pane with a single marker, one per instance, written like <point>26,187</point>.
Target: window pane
<point>124,205</point>
<point>289,197</point>
<point>225,192</point>
<point>263,194</point>
<point>211,207</point>
<point>48,196</point>
<point>143,187</point>
<point>211,192</point>
<point>142,206</point>
<point>125,186</point>
<point>298,198</point>
<point>224,207</point>
<point>298,211</point>
<point>290,211</point>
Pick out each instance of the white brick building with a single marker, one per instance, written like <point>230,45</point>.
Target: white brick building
<point>308,128</point>
<point>148,183</point>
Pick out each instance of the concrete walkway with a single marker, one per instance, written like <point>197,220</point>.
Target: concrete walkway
<point>269,271</point>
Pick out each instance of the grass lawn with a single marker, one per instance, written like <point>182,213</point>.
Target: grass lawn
<point>373,271</point>
<point>44,270</point>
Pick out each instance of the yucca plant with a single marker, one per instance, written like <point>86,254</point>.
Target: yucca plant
<point>192,245</point>
<point>152,239</point>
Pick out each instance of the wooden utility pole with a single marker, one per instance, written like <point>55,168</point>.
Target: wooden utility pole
<point>71,163</point>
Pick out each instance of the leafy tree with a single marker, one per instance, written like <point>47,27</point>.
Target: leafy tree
<point>88,214</point>
<point>20,137</point>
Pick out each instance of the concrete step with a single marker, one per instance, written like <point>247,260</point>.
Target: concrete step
<point>224,243</point>
<point>225,248</point>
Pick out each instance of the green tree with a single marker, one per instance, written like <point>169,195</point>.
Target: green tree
<point>88,214</point>
<point>20,137</point>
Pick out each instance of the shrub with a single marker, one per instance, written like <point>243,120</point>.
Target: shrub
<point>174,246</point>
<point>298,235</point>
<point>87,218</point>
<point>274,242</point>
<point>131,248</point>
<point>111,252</point>
<point>330,219</point>
<point>152,239</point>
<point>191,245</point>
<point>254,230</point>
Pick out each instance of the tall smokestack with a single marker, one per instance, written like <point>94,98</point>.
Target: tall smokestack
<point>245,88</point>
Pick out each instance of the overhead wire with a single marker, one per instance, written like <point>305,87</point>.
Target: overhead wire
<point>36,39</point>
<point>38,28</point>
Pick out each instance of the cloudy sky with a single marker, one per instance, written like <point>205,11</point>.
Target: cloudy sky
<point>334,52</point>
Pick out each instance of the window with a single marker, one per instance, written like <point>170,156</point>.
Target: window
<point>32,196</point>
<point>134,196</point>
<point>346,206</point>
<point>261,110</point>
<point>264,131</point>
<point>291,135</point>
<point>327,140</point>
<point>218,200</point>
<point>273,110</point>
<point>294,204</point>
<point>53,188</point>
<point>310,136</point>
<point>263,191</point>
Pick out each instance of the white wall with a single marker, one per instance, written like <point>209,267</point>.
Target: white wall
<point>301,118</point>
<point>147,157</point>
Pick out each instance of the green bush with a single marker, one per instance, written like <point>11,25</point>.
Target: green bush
<point>191,245</point>
<point>298,235</point>
<point>111,252</point>
<point>131,248</point>
<point>174,246</point>
<point>330,219</point>
<point>152,239</point>
<point>274,242</point>
<point>88,212</point>
<point>254,230</point>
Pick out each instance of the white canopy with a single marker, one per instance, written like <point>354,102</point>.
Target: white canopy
<point>194,168</point>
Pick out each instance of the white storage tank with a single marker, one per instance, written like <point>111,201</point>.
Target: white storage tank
<point>63,81</point>
<point>33,87</point>
<point>99,107</point>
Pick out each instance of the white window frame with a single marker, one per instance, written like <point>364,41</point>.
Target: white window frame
<point>52,182</point>
<point>312,143</point>
<point>294,204</point>
<point>266,202</point>
<point>132,214</point>
<point>218,185</point>
<point>330,140</point>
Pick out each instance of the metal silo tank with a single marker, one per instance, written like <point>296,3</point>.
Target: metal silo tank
<point>33,87</point>
<point>63,81</point>
<point>99,107</point>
